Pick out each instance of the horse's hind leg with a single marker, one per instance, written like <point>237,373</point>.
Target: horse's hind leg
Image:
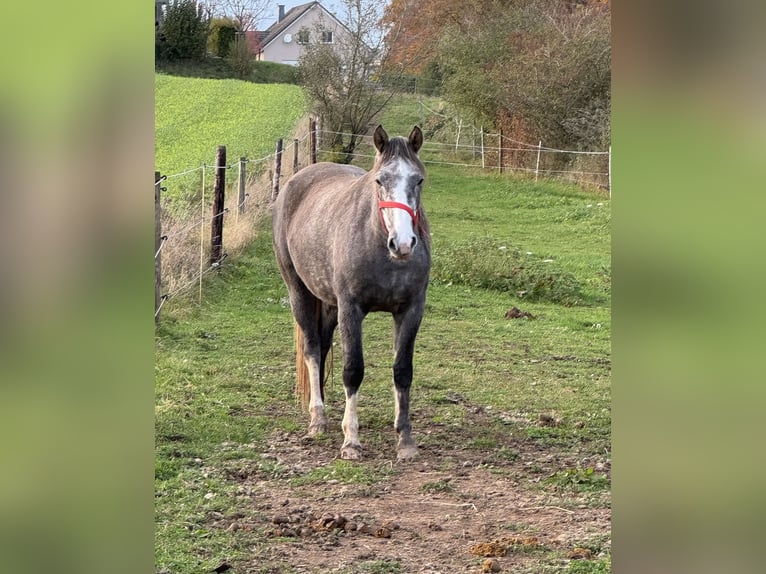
<point>327,324</point>
<point>405,330</point>
<point>307,312</point>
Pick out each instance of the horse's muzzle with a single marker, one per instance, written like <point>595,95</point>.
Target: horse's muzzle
<point>401,250</point>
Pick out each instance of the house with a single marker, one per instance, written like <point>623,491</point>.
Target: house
<point>283,41</point>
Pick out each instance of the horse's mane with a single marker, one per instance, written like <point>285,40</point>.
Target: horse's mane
<point>398,147</point>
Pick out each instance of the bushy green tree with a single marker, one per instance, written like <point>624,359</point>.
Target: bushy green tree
<point>223,32</point>
<point>184,31</point>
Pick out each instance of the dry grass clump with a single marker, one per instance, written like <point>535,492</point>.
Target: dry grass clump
<point>186,251</point>
<point>185,254</point>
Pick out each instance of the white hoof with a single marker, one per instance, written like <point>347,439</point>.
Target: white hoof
<point>351,452</point>
<point>407,453</point>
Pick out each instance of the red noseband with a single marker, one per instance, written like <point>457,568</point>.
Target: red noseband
<point>396,205</point>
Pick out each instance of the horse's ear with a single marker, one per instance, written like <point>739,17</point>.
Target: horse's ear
<point>416,138</point>
<point>380,138</point>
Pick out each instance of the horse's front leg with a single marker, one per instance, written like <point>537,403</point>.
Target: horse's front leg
<point>350,324</point>
<point>406,327</point>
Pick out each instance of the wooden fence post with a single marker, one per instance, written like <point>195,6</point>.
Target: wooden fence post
<point>216,227</point>
<point>242,181</point>
<point>500,153</point>
<point>537,165</point>
<point>481,134</point>
<point>157,247</point>
<point>609,170</point>
<point>295,155</point>
<point>313,139</point>
<point>277,171</point>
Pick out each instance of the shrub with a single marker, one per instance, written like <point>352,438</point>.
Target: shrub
<point>486,264</point>
<point>240,58</point>
<point>184,31</point>
<point>223,32</point>
<point>274,73</point>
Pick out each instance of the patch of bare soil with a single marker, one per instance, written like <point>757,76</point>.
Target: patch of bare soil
<point>451,510</point>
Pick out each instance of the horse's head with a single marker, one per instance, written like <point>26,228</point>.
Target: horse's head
<point>399,175</point>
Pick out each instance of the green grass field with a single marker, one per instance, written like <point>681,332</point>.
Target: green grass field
<point>194,116</point>
<point>523,401</point>
<point>224,373</point>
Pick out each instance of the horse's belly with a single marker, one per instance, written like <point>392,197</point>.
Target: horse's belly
<point>317,275</point>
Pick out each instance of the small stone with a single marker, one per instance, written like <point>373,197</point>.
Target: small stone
<point>580,554</point>
<point>390,524</point>
<point>547,420</point>
<point>349,526</point>
<point>280,519</point>
<point>340,521</point>
<point>490,565</point>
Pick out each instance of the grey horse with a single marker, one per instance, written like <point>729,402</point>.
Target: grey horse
<point>350,242</point>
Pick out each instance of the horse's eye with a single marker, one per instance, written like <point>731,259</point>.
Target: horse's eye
<point>378,182</point>
<point>421,181</point>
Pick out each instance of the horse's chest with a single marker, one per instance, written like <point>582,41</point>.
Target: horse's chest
<point>388,284</point>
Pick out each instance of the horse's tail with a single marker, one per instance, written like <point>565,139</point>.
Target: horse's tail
<point>302,382</point>
<point>302,379</point>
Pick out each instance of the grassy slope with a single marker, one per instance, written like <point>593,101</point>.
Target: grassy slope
<point>193,116</point>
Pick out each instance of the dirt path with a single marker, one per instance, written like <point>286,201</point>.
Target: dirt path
<point>449,511</point>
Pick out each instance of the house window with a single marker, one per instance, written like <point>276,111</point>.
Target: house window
<point>326,37</point>
<point>303,37</point>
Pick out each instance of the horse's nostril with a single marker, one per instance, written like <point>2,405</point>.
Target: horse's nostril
<point>392,244</point>
<point>414,242</point>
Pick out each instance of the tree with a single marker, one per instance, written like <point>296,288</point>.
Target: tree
<point>340,78</point>
<point>246,14</point>
<point>544,63</point>
<point>184,31</point>
<point>414,29</point>
<point>223,32</point>
<point>240,58</point>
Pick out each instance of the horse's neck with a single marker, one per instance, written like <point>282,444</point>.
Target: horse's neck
<point>369,199</point>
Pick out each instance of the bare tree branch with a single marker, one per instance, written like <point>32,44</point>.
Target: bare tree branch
<point>341,79</point>
<point>246,13</point>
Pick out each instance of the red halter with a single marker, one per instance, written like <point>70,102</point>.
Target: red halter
<point>415,215</point>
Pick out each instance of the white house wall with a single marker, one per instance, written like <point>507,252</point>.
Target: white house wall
<point>288,52</point>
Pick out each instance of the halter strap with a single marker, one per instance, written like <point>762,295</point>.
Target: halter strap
<point>415,215</point>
